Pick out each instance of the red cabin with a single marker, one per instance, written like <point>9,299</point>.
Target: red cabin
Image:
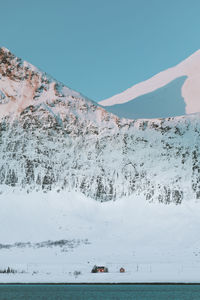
<point>99,269</point>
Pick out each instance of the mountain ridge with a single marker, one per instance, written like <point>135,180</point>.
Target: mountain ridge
<point>58,140</point>
<point>190,89</point>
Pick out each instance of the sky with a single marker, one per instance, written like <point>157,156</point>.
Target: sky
<point>101,47</point>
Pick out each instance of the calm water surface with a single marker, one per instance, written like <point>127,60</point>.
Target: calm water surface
<point>97,292</point>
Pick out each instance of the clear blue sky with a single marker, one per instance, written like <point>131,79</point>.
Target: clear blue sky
<point>101,47</point>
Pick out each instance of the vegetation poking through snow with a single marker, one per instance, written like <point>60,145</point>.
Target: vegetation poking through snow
<point>65,245</point>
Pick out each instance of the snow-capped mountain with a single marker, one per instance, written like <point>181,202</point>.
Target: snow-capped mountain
<point>52,138</point>
<point>172,92</point>
<point>58,152</point>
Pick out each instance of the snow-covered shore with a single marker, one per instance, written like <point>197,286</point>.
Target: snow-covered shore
<point>53,237</point>
<point>149,273</point>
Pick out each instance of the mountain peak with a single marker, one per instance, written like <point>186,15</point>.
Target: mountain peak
<point>7,58</point>
<point>189,90</point>
<point>20,83</point>
<point>23,86</point>
<point>4,49</point>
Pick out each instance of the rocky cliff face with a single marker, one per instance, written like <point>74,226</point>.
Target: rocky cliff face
<point>54,138</point>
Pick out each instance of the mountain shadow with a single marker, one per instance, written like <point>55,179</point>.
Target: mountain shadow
<point>162,103</point>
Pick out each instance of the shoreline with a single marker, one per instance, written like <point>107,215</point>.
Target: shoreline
<point>100,283</point>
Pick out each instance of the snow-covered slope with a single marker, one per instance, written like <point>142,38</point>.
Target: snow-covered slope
<point>60,237</point>
<point>52,138</point>
<point>177,89</point>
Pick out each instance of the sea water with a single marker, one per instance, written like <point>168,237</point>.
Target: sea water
<point>97,292</point>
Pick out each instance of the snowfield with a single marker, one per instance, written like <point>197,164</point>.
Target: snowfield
<point>153,242</point>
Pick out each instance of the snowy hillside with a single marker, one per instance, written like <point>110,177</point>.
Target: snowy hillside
<point>60,237</point>
<point>172,92</point>
<point>52,138</point>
